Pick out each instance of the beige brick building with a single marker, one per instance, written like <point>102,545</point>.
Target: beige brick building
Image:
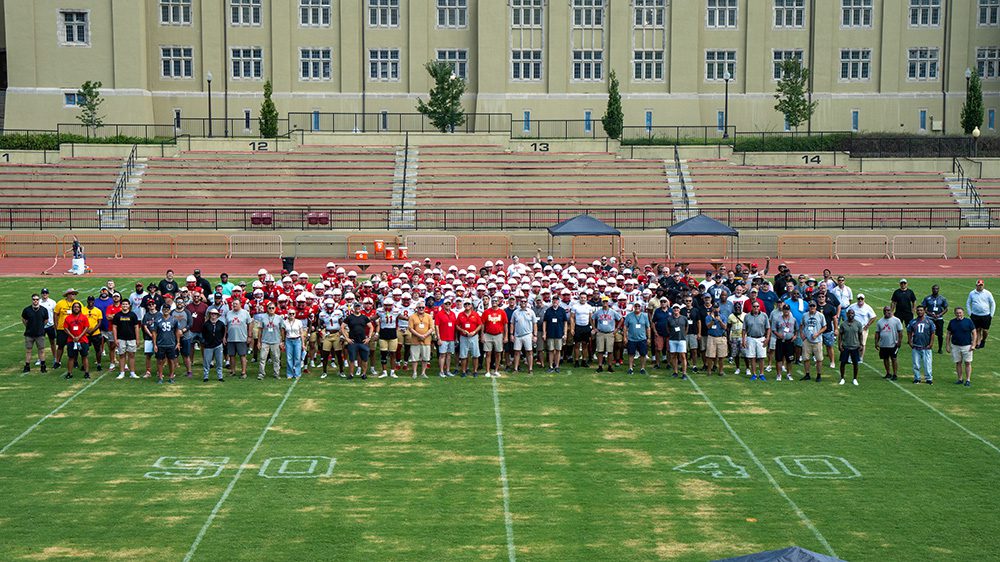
<point>891,65</point>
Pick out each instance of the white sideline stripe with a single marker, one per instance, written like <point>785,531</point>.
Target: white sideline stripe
<point>940,413</point>
<point>795,507</point>
<point>508,520</point>
<point>50,414</point>
<point>239,472</point>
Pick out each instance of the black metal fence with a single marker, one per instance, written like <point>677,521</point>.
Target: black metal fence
<point>385,122</point>
<point>679,134</point>
<point>486,219</point>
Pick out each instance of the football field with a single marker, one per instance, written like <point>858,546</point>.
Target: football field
<point>570,466</point>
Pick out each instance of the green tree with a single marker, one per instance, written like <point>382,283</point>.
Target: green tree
<point>972,109</point>
<point>444,108</point>
<point>88,97</point>
<point>791,93</point>
<point>268,114</point>
<point>614,118</point>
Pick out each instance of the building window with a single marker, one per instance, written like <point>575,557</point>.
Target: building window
<point>383,64</point>
<point>991,119</point>
<point>923,64</point>
<point>245,12</point>
<point>649,120</point>
<point>247,122</point>
<point>177,119</point>
<point>176,62</point>
<point>855,120</point>
<point>383,13</point>
<point>789,13</point>
<point>855,64</point>
<point>925,13</point>
<point>786,126</point>
<point>588,124</point>
<point>988,63</point>
<point>649,13</point>
<point>588,13</point>
<point>922,118</point>
<point>457,59</point>
<point>989,12</point>
<point>248,63</point>
<point>175,12</point>
<point>780,57</point>
<point>718,63</point>
<point>314,13</point>
<point>722,13</point>
<point>70,99</point>
<point>588,65</point>
<point>526,65</point>
<point>526,13</point>
<point>75,28</point>
<point>315,64</point>
<point>647,65</point>
<point>452,13</point>
<point>315,120</point>
<point>720,121</point>
<point>526,122</point>
<point>856,13</point>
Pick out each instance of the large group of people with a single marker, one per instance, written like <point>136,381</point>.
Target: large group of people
<point>502,318</point>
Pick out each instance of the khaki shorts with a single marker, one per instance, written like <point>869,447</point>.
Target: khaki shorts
<point>332,342</point>
<point>605,342</point>
<point>961,353</point>
<point>388,345</point>
<point>523,343</point>
<point>812,350</point>
<point>420,352</point>
<point>404,337</point>
<point>553,344</point>
<point>716,347</point>
<point>619,337</point>
<point>126,346</point>
<point>39,342</point>
<point>492,343</point>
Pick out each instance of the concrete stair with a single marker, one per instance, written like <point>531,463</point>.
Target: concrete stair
<point>674,181</point>
<point>972,216</point>
<point>403,215</point>
<point>117,218</point>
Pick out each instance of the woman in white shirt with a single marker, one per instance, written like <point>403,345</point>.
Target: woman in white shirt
<point>293,330</point>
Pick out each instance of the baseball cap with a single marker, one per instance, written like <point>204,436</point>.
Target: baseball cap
<point>45,291</point>
<point>214,310</point>
<point>861,296</point>
<point>902,280</point>
<point>980,282</point>
<point>754,264</point>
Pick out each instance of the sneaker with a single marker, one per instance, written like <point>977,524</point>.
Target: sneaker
<point>189,374</point>
<point>392,374</point>
<point>120,376</point>
<point>842,382</point>
<point>112,367</point>
<point>684,377</point>
<point>26,369</point>
<point>767,369</point>
<point>916,381</point>
<point>550,370</point>
<point>557,370</point>
<point>56,365</point>
<point>761,377</point>
<point>37,363</point>
<point>753,377</point>
<point>833,365</point>
<point>423,375</point>
<point>968,383</point>
<point>170,380</point>
<point>642,371</point>
<point>364,376</point>
<point>887,377</point>
<point>86,375</point>
<point>260,377</point>
<point>450,374</point>
<point>855,382</point>
<point>959,382</point>
<point>674,374</point>
<point>806,378</point>
<point>323,376</point>
<point>132,375</point>
<point>159,381</point>
<point>630,372</point>
<point>930,382</point>
<point>737,370</point>
<point>442,375</point>
<point>779,377</point>
<point>600,368</point>
<point>610,369</point>
<point>383,375</point>
<point>44,370</point>
<point>818,378</point>
<point>488,375</point>
<point>99,367</point>
<point>894,377</point>
<point>496,374</point>
<point>463,374</point>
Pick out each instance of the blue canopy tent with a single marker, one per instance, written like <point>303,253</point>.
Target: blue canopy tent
<point>704,225</point>
<point>583,225</point>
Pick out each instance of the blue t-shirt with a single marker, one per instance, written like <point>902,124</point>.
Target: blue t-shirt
<point>961,331</point>
<point>660,321</point>
<point>716,326</point>
<point>769,298</point>
<point>636,326</point>
<point>555,322</point>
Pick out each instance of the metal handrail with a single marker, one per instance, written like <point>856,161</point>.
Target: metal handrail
<point>123,176</point>
<point>680,174</point>
<point>968,186</point>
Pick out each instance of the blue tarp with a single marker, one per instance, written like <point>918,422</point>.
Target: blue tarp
<point>790,554</point>
<point>583,225</point>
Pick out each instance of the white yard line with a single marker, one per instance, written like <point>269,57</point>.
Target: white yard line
<point>50,414</point>
<point>239,472</point>
<point>774,483</point>
<point>508,520</point>
<point>939,412</point>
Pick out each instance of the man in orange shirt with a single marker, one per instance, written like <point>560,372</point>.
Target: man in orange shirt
<point>77,325</point>
<point>494,335</point>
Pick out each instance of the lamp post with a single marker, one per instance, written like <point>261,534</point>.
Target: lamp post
<point>968,76</point>
<point>208,78</point>
<point>975,142</point>
<point>725,113</point>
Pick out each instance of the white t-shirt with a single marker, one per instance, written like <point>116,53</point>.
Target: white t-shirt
<point>50,305</point>
<point>863,313</point>
<point>845,295</point>
<point>293,328</point>
<point>582,311</point>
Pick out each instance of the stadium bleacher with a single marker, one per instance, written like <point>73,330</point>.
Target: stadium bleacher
<point>82,182</point>
<point>989,191</point>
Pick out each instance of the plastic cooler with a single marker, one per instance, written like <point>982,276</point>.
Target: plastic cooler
<point>402,253</point>
<point>390,253</point>
<point>361,255</point>
<point>379,246</point>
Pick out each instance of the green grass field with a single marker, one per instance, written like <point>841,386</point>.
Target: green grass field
<point>598,467</point>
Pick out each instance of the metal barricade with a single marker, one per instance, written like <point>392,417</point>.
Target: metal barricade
<point>979,246</point>
<point>431,245</point>
<point>208,245</point>
<point>699,247</point>
<point>31,245</point>
<point>646,247</point>
<point>328,246</point>
<point>861,246</point>
<point>794,246</point>
<point>595,246</point>
<point>143,245</point>
<point>490,246</point>
<point>95,245</point>
<point>919,246</point>
<point>255,245</point>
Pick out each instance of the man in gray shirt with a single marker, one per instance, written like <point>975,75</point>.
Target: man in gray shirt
<point>183,318</point>
<point>849,343</point>
<point>890,335</point>
<point>756,332</point>
<point>237,330</point>
<point>269,343</point>
<point>677,327</point>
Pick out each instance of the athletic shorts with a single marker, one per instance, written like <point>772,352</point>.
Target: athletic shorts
<point>812,350</point>
<point>659,342</point>
<point>492,342</point>
<point>147,347</point>
<point>446,347</point>
<point>388,345</point>
<point>523,343</point>
<point>716,348</point>
<point>358,351</point>
<point>61,338</point>
<point>981,322</point>
<point>125,346</point>
<point>166,353</point>
<point>829,338</point>
<point>331,342</point>
<point>678,346</point>
<point>692,341</point>
<point>187,347</point>
<point>755,348</point>
<point>234,348</point>
<point>553,344</point>
<point>633,347</point>
<point>468,346</point>
<point>30,342</point>
<point>784,350</point>
<point>51,333</point>
<point>79,349</point>
<point>736,347</point>
<point>581,334</point>
<point>850,356</point>
<point>95,339</point>
<point>605,342</point>
<point>404,336</point>
<point>420,353</point>
<point>961,353</point>
<point>887,352</point>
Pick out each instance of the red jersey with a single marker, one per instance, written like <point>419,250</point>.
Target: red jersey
<point>494,321</point>
<point>470,321</point>
<point>445,321</point>
<point>109,314</point>
<point>328,276</point>
<point>77,324</point>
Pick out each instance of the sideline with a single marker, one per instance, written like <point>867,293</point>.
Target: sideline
<point>508,520</point>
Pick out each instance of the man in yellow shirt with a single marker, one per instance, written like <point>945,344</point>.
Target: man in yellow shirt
<point>63,309</point>
<point>421,328</point>
<point>94,315</point>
